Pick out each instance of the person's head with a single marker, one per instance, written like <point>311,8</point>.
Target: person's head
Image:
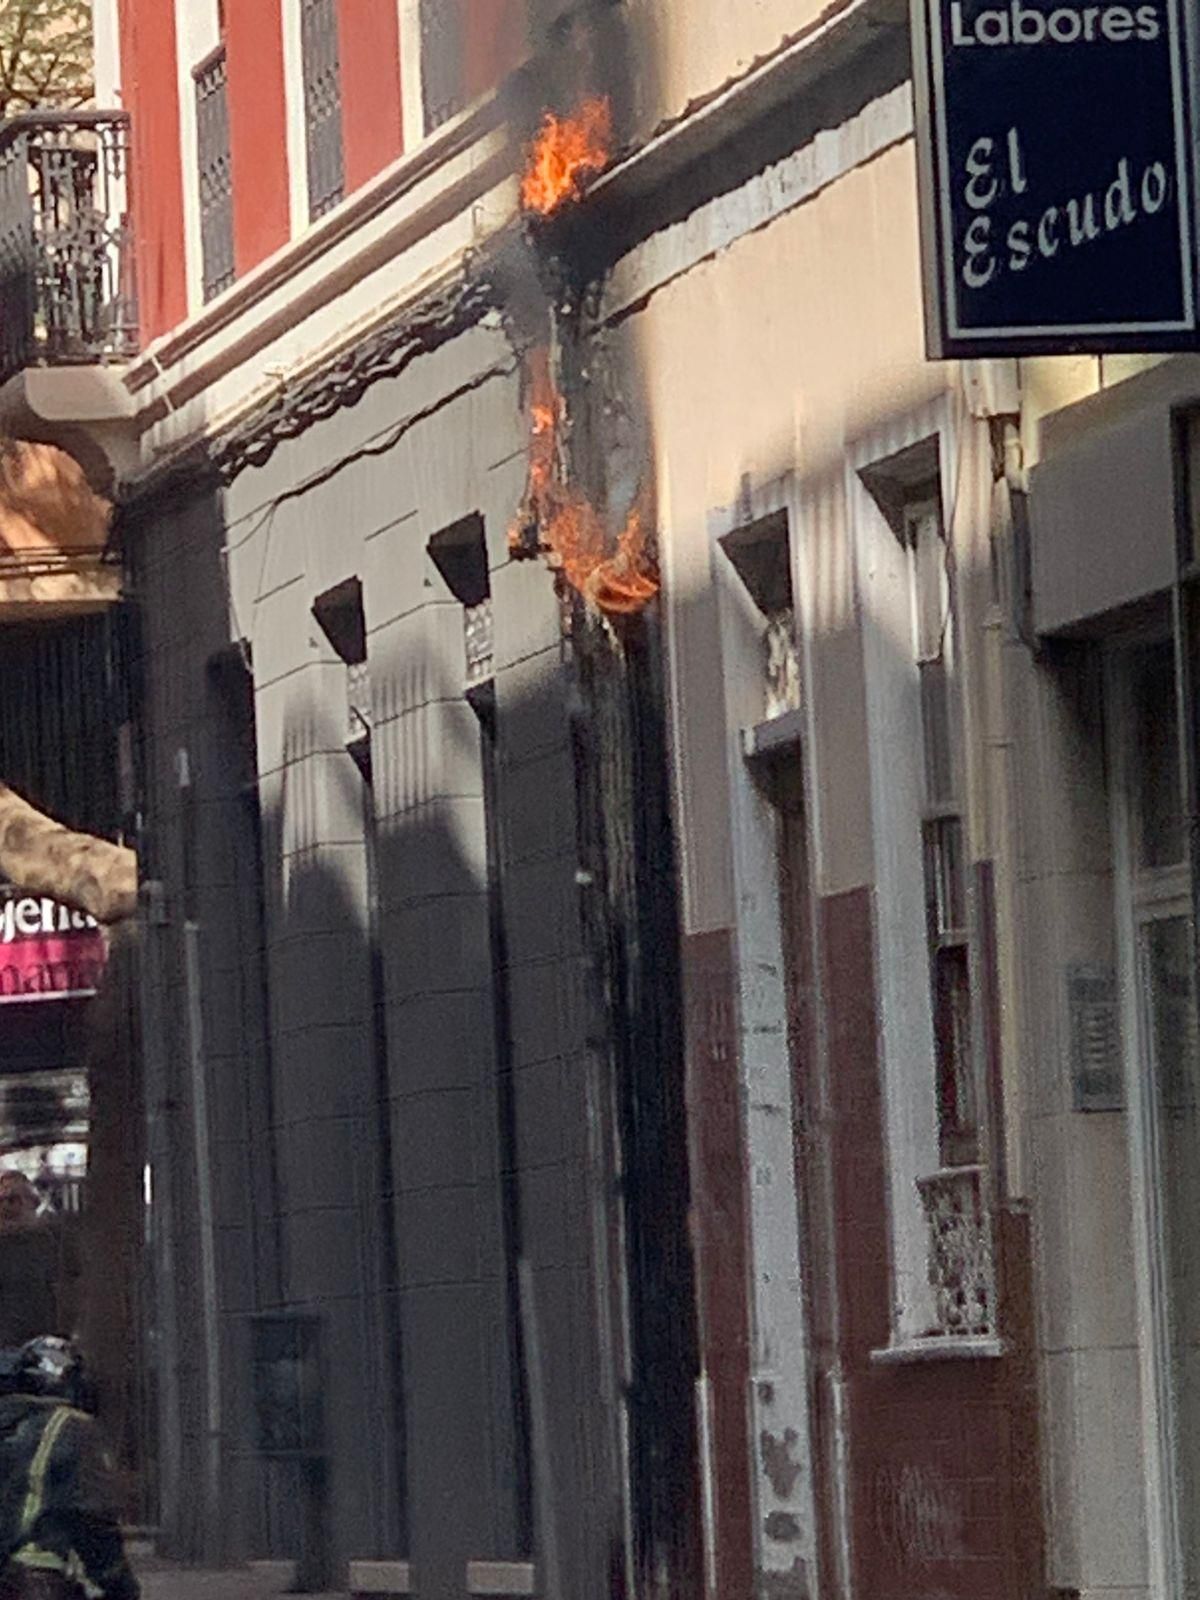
<point>49,1367</point>
<point>18,1200</point>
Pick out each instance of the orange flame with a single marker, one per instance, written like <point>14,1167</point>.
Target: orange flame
<point>566,152</point>
<point>569,530</point>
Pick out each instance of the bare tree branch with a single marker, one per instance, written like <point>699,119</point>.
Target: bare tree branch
<point>41,856</point>
<point>45,54</point>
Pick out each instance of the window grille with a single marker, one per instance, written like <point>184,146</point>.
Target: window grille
<point>942,837</point>
<point>477,630</point>
<point>443,56</point>
<point>761,555</point>
<point>459,552</point>
<point>215,174</point>
<point>962,1268</point>
<point>322,106</point>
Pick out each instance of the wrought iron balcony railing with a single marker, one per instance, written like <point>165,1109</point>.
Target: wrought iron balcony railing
<point>962,1271</point>
<point>66,251</point>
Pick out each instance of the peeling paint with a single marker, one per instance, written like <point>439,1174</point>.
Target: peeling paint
<point>779,1461</point>
<point>789,1585</point>
<point>783,1527</point>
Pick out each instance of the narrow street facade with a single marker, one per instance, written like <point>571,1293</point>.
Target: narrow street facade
<point>666,1051</point>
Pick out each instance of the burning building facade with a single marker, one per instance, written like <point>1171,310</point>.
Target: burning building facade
<point>637,1092</point>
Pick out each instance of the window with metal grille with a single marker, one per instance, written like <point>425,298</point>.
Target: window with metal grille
<point>761,556</point>
<point>322,105</point>
<point>942,831</point>
<point>443,60</point>
<point>215,175</point>
<point>459,552</point>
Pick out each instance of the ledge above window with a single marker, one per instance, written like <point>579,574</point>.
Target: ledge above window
<point>774,734</point>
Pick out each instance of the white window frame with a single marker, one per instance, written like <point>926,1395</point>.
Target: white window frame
<point>106,36</point>
<point>780,1336</point>
<point>297,141</point>
<point>884,602</point>
<point>412,102</point>
<point>197,35</point>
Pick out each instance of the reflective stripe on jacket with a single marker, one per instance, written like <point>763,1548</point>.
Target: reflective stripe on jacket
<point>57,1509</point>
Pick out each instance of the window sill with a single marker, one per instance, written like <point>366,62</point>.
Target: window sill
<point>940,1347</point>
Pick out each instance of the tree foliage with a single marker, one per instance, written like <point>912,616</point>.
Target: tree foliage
<point>45,54</point>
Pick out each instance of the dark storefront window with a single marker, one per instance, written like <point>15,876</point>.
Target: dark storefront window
<point>215,175</point>
<point>322,106</point>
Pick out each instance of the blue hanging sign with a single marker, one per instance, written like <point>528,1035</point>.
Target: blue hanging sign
<point>1058,207</point>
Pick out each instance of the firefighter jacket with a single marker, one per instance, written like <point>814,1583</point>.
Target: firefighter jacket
<point>57,1507</point>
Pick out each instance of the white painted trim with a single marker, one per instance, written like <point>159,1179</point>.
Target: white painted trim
<point>297,140</point>
<point>772,193</point>
<point>410,73</point>
<point>106,52</point>
<point>708,1483</point>
<point>778,1399</point>
<point>197,33</point>
<point>883,597</point>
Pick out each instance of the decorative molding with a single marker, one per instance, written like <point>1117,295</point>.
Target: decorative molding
<point>673,251</point>
<point>367,203</point>
<point>451,309</point>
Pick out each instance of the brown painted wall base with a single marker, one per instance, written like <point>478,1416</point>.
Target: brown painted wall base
<point>943,1497</point>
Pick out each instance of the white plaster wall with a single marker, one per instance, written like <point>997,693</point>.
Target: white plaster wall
<point>785,390</point>
<point>698,47</point>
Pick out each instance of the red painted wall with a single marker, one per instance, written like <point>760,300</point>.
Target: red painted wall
<point>257,129</point>
<point>150,92</point>
<point>372,120</point>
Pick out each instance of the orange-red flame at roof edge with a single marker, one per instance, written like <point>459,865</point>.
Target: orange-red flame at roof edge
<point>566,152</point>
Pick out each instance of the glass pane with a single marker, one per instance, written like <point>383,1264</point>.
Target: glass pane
<point>1158,799</point>
<point>929,566</point>
<point>936,731</point>
<point>958,1114</point>
<point>945,889</point>
<point>1167,964</point>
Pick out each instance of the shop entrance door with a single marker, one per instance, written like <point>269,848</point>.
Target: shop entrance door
<point>1162,1073</point>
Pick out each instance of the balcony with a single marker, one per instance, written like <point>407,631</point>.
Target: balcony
<point>67,294</point>
<point>962,1271</point>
